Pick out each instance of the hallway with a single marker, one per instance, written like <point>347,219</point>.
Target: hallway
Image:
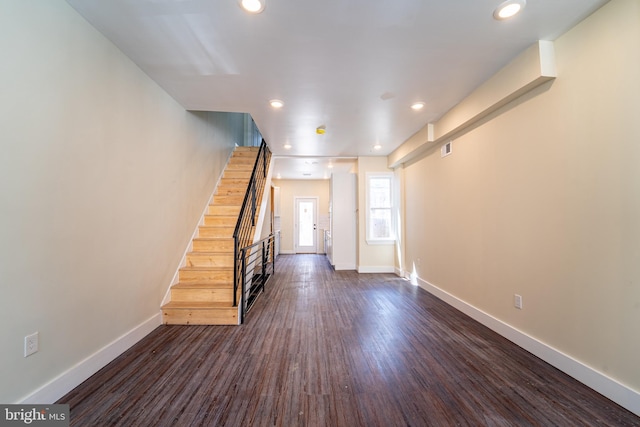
<point>327,348</point>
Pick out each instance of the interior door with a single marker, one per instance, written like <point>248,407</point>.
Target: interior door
<point>306,220</point>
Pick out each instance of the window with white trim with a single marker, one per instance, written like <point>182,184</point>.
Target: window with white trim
<point>380,208</point>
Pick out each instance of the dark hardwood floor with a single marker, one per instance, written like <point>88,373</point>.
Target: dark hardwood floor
<point>326,348</point>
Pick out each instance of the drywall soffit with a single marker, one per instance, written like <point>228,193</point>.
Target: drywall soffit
<point>530,69</point>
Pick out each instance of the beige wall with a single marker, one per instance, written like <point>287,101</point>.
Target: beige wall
<point>289,190</point>
<point>544,201</point>
<point>103,177</point>
<point>372,258</point>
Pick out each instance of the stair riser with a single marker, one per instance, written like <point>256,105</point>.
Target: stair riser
<point>231,191</point>
<point>226,232</point>
<point>244,149</point>
<point>235,174</point>
<point>203,295</point>
<point>206,276</point>
<point>213,245</point>
<point>234,182</point>
<point>200,317</point>
<point>224,210</point>
<point>220,221</point>
<point>196,260</point>
<point>239,167</point>
<point>236,154</point>
<point>228,200</point>
<point>245,160</point>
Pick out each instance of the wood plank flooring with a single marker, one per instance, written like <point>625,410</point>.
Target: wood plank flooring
<point>326,348</point>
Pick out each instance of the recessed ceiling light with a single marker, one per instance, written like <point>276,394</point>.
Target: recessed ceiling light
<point>252,6</point>
<point>287,146</point>
<point>417,106</point>
<point>276,103</point>
<point>377,147</point>
<point>508,9</point>
<point>330,166</point>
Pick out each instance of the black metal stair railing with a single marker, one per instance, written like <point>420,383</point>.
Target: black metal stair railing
<point>244,233</point>
<point>257,266</point>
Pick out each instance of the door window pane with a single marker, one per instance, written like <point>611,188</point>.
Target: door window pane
<point>305,224</point>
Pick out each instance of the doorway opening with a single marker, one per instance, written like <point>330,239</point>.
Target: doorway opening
<point>306,220</point>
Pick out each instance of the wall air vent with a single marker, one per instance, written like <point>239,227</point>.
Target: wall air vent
<point>445,150</point>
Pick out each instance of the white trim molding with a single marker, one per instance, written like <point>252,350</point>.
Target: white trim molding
<point>376,269</point>
<point>344,267</point>
<point>619,393</point>
<point>77,374</point>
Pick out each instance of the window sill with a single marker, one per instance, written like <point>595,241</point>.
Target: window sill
<point>381,242</point>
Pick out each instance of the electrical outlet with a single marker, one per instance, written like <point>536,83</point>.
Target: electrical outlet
<point>517,301</point>
<point>30,344</point>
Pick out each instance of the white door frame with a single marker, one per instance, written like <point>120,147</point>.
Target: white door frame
<point>305,250</point>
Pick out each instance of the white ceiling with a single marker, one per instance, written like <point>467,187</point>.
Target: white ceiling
<point>354,66</point>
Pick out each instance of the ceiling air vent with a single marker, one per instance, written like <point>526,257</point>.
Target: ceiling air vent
<point>445,150</point>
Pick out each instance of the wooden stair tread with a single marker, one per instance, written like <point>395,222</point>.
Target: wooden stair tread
<point>200,285</point>
<point>213,239</point>
<point>245,148</point>
<point>206,268</point>
<point>244,159</point>
<point>225,202</point>
<point>225,208</point>
<point>198,305</point>
<point>241,182</point>
<point>239,187</point>
<point>210,253</point>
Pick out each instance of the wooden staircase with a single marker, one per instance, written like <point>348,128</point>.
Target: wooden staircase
<point>204,294</point>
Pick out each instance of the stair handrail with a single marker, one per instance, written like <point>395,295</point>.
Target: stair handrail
<point>242,236</point>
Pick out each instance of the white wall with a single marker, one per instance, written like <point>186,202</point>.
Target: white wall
<point>103,177</point>
<point>289,190</point>
<point>343,220</point>
<point>543,200</point>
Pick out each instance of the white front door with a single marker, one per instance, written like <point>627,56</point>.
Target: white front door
<point>305,225</point>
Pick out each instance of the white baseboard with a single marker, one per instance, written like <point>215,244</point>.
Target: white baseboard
<point>624,396</point>
<point>286,252</point>
<point>376,269</point>
<point>399,272</point>
<point>344,267</point>
<point>67,381</point>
